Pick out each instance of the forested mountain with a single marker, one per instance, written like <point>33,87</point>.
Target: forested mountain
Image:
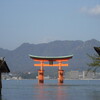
<point>18,60</point>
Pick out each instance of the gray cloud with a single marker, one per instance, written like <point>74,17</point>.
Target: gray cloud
<point>93,11</point>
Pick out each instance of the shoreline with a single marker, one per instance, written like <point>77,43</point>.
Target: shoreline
<point>51,79</point>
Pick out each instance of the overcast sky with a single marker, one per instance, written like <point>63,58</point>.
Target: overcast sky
<point>40,21</point>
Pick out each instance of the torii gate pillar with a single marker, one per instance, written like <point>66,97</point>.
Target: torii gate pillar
<point>60,73</point>
<point>40,76</point>
<point>60,76</point>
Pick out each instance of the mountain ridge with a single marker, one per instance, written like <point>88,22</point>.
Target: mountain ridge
<point>18,59</point>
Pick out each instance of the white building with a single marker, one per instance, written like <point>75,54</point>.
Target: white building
<point>88,75</point>
<point>72,75</point>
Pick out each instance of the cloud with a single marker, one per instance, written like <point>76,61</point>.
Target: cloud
<point>93,11</point>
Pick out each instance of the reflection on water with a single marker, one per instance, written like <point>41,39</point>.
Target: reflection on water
<point>71,90</point>
<point>50,92</point>
<point>61,95</point>
<point>67,92</point>
<point>40,93</point>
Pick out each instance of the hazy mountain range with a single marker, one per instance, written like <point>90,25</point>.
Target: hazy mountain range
<point>18,60</point>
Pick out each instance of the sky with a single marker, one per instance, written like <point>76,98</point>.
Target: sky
<point>42,21</point>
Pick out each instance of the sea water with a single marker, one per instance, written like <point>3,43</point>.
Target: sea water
<point>50,90</point>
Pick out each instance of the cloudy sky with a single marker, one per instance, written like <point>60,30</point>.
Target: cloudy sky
<point>40,21</point>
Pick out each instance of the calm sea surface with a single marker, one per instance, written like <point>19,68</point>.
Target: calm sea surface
<point>70,90</point>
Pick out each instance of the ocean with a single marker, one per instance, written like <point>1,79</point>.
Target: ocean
<point>50,90</point>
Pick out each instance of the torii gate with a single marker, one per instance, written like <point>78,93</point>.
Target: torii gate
<point>42,64</point>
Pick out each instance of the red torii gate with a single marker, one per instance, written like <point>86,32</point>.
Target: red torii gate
<point>50,59</point>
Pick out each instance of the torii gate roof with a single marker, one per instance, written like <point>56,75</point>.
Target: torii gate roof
<point>51,57</point>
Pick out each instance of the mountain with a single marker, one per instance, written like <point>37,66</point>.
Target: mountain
<point>18,60</point>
